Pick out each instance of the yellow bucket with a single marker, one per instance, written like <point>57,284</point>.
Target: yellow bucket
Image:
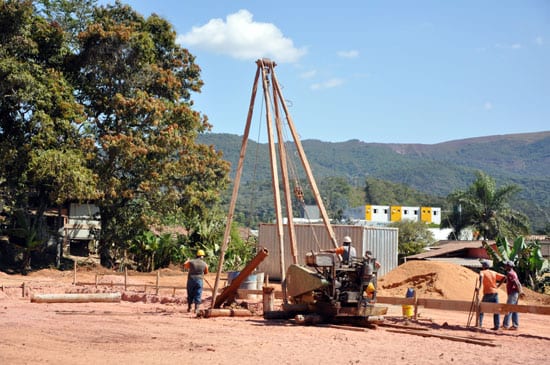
<point>408,310</point>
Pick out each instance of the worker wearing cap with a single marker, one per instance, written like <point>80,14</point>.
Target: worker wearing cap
<point>197,269</point>
<point>491,281</point>
<point>514,290</point>
<point>347,251</point>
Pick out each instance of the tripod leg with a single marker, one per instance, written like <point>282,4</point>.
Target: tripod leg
<point>474,306</point>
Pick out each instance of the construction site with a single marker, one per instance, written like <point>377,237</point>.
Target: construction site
<point>148,325</point>
<point>321,304</point>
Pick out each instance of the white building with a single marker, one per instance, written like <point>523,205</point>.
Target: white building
<point>384,214</point>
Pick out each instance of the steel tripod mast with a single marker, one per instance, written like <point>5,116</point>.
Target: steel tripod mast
<point>273,99</point>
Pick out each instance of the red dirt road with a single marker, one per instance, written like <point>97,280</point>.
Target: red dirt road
<point>155,333</point>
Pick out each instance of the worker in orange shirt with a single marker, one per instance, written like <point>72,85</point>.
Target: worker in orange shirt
<point>491,281</point>
<point>346,251</point>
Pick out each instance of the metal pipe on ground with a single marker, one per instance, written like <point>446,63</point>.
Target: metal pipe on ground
<point>76,298</point>
<point>215,312</point>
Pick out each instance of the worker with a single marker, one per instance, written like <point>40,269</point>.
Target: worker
<point>375,266</point>
<point>491,281</point>
<point>514,291</point>
<point>197,269</point>
<point>369,257</point>
<point>370,275</point>
<point>347,251</point>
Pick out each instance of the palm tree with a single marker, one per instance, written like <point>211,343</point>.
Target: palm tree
<point>486,209</point>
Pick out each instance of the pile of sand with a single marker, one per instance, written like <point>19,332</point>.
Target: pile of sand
<point>431,279</point>
<point>441,280</point>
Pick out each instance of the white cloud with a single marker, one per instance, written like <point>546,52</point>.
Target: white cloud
<point>509,46</point>
<point>488,105</point>
<point>539,41</point>
<point>242,38</point>
<point>349,54</point>
<point>329,84</point>
<point>308,74</point>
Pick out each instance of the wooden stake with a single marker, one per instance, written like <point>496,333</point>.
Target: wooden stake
<point>268,297</point>
<point>157,285</point>
<point>74,273</point>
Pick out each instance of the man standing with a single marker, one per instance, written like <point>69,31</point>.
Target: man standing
<point>197,269</point>
<point>514,290</point>
<point>491,281</point>
<point>370,273</point>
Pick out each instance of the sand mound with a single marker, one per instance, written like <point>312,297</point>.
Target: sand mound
<point>431,279</point>
<point>442,280</point>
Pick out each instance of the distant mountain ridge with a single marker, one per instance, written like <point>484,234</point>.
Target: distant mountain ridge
<point>437,169</point>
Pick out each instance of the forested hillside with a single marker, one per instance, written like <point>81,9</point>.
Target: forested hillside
<point>438,169</point>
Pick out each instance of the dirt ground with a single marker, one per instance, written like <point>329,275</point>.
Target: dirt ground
<point>145,328</point>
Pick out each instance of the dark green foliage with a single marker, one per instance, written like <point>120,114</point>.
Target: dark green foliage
<point>43,156</point>
<point>381,192</point>
<point>435,170</point>
<point>526,255</point>
<point>413,237</point>
<point>96,105</point>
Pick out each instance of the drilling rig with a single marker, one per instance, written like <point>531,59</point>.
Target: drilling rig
<point>328,289</point>
<point>323,287</point>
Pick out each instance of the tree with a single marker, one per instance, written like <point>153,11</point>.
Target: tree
<point>382,192</point>
<point>486,208</point>
<point>413,237</point>
<point>135,83</point>
<point>41,150</point>
<point>336,192</point>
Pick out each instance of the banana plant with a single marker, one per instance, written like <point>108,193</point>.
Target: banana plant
<point>526,255</point>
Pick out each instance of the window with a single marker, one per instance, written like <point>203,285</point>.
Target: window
<point>375,210</point>
<point>405,211</point>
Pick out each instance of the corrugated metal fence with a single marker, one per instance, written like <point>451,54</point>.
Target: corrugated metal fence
<point>382,241</point>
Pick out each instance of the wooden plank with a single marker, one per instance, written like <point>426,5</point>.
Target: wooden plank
<point>343,327</point>
<point>395,300</point>
<point>520,308</point>
<point>401,326</point>
<point>481,342</point>
<point>444,304</point>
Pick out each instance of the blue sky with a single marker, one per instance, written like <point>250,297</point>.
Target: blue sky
<point>377,71</point>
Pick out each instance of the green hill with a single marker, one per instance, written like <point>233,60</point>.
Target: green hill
<point>437,169</point>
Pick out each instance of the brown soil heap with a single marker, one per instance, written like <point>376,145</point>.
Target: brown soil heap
<point>441,280</point>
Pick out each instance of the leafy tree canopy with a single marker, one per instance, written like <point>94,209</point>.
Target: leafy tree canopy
<point>96,104</point>
<point>135,83</point>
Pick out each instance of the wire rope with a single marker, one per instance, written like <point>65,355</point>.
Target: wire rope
<point>297,188</point>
